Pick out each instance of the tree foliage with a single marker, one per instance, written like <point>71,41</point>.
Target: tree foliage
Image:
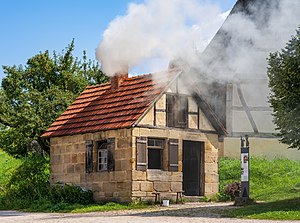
<point>284,82</point>
<point>34,95</point>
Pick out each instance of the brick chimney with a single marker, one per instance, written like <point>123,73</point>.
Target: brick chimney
<point>117,80</point>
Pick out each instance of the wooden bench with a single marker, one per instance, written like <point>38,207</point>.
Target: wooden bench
<point>179,196</point>
<point>157,196</point>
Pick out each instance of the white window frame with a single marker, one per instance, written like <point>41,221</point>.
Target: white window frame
<point>102,157</point>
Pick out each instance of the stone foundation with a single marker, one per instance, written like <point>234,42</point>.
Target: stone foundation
<point>144,183</point>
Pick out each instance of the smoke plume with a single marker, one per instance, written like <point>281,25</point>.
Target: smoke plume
<point>248,37</point>
<point>157,31</point>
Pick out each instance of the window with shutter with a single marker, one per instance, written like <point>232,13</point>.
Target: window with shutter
<point>141,158</point>
<point>173,155</point>
<point>105,155</point>
<point>89,156</point>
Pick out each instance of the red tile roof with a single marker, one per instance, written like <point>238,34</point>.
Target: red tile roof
<point>99,108</point>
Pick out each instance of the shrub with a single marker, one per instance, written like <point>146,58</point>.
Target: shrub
<point>232,190</point>
<point>70,194</point>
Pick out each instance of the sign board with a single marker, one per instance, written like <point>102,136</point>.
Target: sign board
<point>245,167</point>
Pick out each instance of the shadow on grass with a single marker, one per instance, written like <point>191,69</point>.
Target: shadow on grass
<point>282,209</point>
<point>209,211</point>
<point>205,211</point>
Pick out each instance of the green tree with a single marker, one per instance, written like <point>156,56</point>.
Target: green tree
<point>34,95</point>
<point>284,82</point>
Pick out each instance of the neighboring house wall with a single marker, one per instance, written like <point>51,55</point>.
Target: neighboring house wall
<point>263,147</point>
<point>240,60</point>
<point>249,113</point>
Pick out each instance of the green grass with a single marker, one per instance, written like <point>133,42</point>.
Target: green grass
<point>270,180</point>
<point>276,182</point>
<point>43,206</point>
<point>288,209</point>
<point>7,164</point>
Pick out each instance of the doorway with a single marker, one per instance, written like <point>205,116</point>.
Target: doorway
<point>193,168</point>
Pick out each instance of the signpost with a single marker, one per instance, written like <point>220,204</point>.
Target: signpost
<point>244,168</point>
<point>244,193</point>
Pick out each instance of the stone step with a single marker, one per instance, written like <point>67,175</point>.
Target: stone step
<point>193,198</point>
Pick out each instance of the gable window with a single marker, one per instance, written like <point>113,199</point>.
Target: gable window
<point>155,153</point>
<point>105,158</point>
<point>177,111</point>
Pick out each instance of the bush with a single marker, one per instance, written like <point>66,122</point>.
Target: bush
<point>70,194</point>
<point>232,190</point>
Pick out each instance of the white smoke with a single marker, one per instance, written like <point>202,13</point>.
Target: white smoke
<point>159,30</point>
<point>252,39</point>
<point>238,55</point>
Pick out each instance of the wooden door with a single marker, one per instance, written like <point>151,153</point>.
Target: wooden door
<point>192,168</point>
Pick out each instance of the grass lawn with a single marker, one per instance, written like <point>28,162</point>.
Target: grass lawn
<point>7,163</point>
<point>42,206</point>
<point>275,182</point>
<point>275,210</point>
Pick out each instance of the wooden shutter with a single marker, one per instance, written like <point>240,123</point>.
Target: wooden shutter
<point>110,154</point>
<point>170,110</point>
<point>89,156</point>
<point>141,158</point>
<point>173,155</point>
<point>182,113</point>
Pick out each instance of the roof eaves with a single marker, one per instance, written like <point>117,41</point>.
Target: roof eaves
<point>210,114</point>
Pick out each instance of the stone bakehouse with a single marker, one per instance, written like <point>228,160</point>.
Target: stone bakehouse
<point>129,138</point>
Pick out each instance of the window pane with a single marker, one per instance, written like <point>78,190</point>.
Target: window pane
<point>102,159</point>
<point>158,142</point>
<point>154,158</point>
<point>151,142</point>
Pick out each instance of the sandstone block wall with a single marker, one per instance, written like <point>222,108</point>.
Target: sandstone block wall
<point>144,183</point>
<point>68,158</point>
<point>156,178</point>
<point>68,155</point>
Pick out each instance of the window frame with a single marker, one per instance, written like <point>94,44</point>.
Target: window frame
<point>101,157</point>
<point>105,156</point>
<point>155,148</point>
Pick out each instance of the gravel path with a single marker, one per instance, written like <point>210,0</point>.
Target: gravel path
<point>189,212</point>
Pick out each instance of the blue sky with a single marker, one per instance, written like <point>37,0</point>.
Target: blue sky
<point>28,27</point>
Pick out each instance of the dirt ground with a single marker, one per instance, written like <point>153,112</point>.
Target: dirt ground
<point>189,212</point>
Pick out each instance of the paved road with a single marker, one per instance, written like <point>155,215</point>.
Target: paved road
<point>190,212</point>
